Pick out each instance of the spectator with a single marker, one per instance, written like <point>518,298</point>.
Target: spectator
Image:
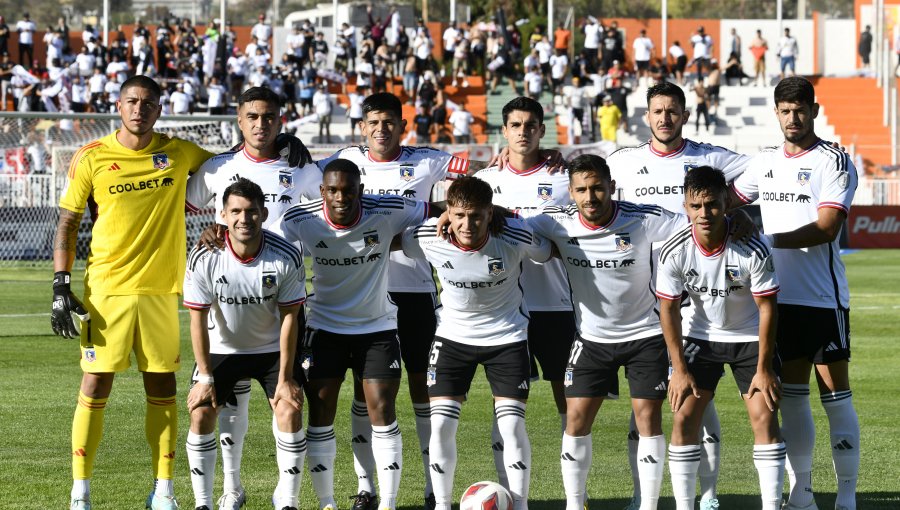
<point>237,71</point>
<point>181,102</point>
<point>559,68</point>
<point>658,71</point>
<point>295,41</point>
<point>680,62</point>
<point>702,43</point>
<point>54,43</point>
<point>163,37</point>
<point>6,67</point>
<point>96,87</point>
<point>111,91</point>
<point>410,77</point>
<point>323,105</point>
<point>427,90</point>
<point>26,29</point>
<point>643,52</point>
<point>865,44</point>
<point>423,126</point>
<point>610,117</point>
<point>736,45</point>
<point>307,86</point>
<point>117,68</point>
<point>451,38</point>
<point>734,70</point>
<point>349,34</point>
<point>119,47</point>
<point>533,83</point>
<point>378,27</point>
<point>85,62</point>
<point>501,67</point>
<point>145,61</point>
<point>610,48</point>
<point>258,77</point>
<point>319,51</point>
<point>422,45</point>
<point>4,37</point>
<point>461,120</point>
<point>215,93</point>
<point>37,153</point>
<point>400,50</point>
<point>80,95</point>
<point>702,106</point>
<point>354,110</point>
<point>787,50</point>
<point>758,48</point>
<point>261,58</point>
<point>713,82</point>
<point>461,63</point>
<point>561,39</point>
<point>545,51</point>
<point>592,37</point>
<point>574,100</point>
<point>262,31</point>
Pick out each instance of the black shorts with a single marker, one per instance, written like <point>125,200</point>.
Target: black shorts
<point>820,335</point>
<point>706,360</point>
<point>642,65</point>
<point>328,355</point>
<point>416,323</point>
<point>545,69</point>
<point>680,63</point>
<point>228,369</point>
<point>593,368</point>
<point>550,337</point>
<point>451,367</point>
<point>713,91</point>
<point>306,101</point>
<point>557,82</point>
<point>354,122</point>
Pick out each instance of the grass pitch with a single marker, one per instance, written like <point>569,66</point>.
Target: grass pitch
<point>40,377</point>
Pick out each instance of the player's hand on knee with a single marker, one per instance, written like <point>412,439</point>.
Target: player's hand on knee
<point>766,383</point>
<point>64,305</point>
<point>681,387</point>
<point>291,147</point>
<point>290,393</point>
<point>201,394</point>
<point>212,237</point>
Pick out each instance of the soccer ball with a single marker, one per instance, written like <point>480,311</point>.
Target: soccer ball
<point>486,496</point>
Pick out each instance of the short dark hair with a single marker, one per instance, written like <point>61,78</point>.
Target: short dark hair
<point>795,89</point>
<point>524,104</point>
<point>259,94</point>
<point>245,188</point>
<point>343,166</point>
<point>587,163</point>
<point>705,179</point>
<point>143,82</point>
<point>667,89</point>
<point>383,102</point>
<point>469,192</point>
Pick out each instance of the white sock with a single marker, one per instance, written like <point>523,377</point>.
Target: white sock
<point>516,449</point>
<point>81,489</point>
<point>164,487</point>
<point>423,431</point>
<point>844,426</point>
<point>387,448</point>
<point>799,433</point>
<point>651,454</point>
<point>233,424</point>
<point>497,450</point>
<point>290,451</point>
<point>201,454</point>
<point>683,464</point>
<point>442,448</point>
<point>769,462</point>
<point>320,453</point>
<point>361,443</point>
<point>633,438</point>
<point>710,442</point>
<point>575,461</point>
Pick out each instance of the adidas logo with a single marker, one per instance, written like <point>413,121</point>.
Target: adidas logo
<point>518,466</point>
<point>395,364</point>
<point>497,447</point>
<point>497,190</point>
<point>227,442</point>
<point>843,445</point>
<point>425,452</point>
<point>447,265</point>
<point>113,167</point>
<point>321,244</point>
<point>661,386</point>
<point>197,472</point>
<point>393,467</point>
<point>359,439</point>
<point>293,471</point>
<point>769,174</point>
<point>235,178</point>
<point>692,272</point>
<point>567,456</point>
<point>644,171</point>
<point>318,469</point>
<point>831,347</point>
<point>712,438</point>
<point>573,241</point>
<point>222,280</point>
<point>633,435</point>
<point>523,385</point>
<point>649,460</point>
<point>437,469</point>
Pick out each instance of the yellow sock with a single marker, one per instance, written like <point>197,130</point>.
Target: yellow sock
<point>87,429</point>
<point>161,427</point>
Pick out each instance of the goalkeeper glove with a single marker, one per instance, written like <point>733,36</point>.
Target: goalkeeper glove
<point>64,305</point>
<point>293,148</point>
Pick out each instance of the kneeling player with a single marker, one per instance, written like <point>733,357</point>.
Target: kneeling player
<point>482,321</point>
<point>732,285</point>
<point>255,288</point>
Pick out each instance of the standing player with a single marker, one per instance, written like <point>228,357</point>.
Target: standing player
<point>137,178</point>
<point>482,320</point>
<point>283,185</point>
<point>653,173</point>
<point>526,183</point>
<point>804,189</point>
<point>352,322</point>
<point>606,247</point>
<point>732,285</point>
<point>255,289</point>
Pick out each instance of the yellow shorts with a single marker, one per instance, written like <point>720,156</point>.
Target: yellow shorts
<point>145,324</point>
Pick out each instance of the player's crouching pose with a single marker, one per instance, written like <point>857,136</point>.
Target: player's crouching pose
<point>606,248</point>
<point>732,285</point>
<point>255,289</point>
<point>481,321</point>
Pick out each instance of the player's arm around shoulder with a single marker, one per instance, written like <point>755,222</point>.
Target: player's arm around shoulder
<point>518,233</point>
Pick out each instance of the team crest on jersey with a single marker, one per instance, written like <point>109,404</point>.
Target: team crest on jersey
<point>569,377</point>
<point>431,378</point>
<point>370,239</point>
<point>161,161</point>
<point>268,281</point>
<point>732,273</point>
<point>407,171</point>
<point>286,181</point>
<point>90,355</point>
<point>689,166</point>
<point>623,242</point>
<point>545,191</point>
<point>496,267</point>
<point>803,177</point>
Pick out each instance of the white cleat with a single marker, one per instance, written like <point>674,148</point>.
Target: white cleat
<point>232,500</point>
<point>80,504</point>
<point>155,502</point>
<point>788,506</point>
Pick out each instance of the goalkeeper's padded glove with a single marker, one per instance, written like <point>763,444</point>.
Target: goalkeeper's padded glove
<point>293,148</point>
<point>64,305</point>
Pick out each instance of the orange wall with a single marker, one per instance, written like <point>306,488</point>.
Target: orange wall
<point>678,30</point>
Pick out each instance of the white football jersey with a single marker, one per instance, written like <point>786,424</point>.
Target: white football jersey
<point>412,174</point>
<point>243,296</point>
<point>350,264</point>
<point>722,285</point>
<point>546,286</point>
<point>609,267</point>
<point>481,298</point>
<point>646,176</point>
<point>282,185</point>
<point>790,190</point>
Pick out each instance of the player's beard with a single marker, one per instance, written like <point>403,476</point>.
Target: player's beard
<point>675,134</point>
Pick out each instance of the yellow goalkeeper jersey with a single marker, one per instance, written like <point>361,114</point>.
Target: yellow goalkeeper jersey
<point>138,244</point>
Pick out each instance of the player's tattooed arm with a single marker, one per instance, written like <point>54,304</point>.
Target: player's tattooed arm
<point>64,242</point>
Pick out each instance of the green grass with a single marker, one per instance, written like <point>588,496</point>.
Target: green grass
<point>40,381</point>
